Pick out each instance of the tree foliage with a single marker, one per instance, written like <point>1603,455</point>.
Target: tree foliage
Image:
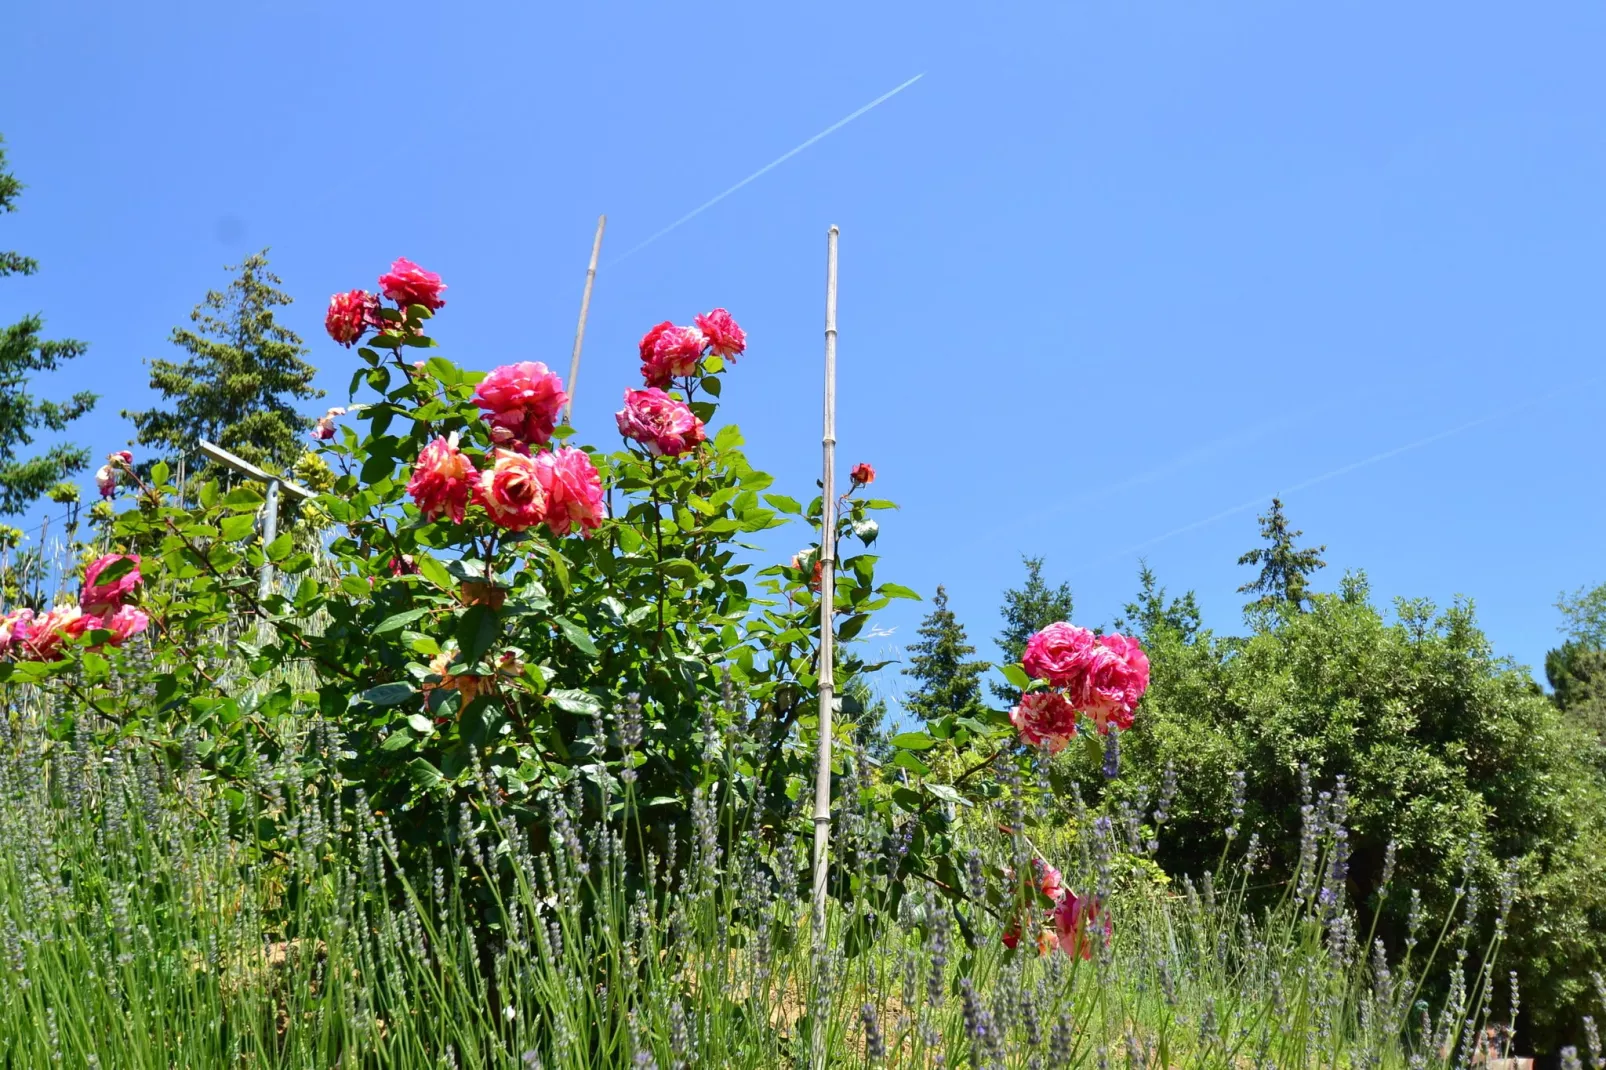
<point>1285,569</point>
<point>1028,609</point>
<point>239,382</point>
<point>950,679</point>
<point>1442,748</point>
<point>24,354</point>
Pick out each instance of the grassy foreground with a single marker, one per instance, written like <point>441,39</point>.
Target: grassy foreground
<point>138,931</point>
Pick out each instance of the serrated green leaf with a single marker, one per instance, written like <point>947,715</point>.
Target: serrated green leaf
<point>1015,675</point>
<point>435,572</point>
<point>583,703</point>
<point>388,694</point>
<point>577,636</point>
<point>236,528</point>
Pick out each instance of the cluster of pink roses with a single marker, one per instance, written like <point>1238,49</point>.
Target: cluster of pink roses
<point>351,314</point>
<point>1069,923</point>
<point>101,607</point>
<point>661,422</point>
<point>520,402</point>
<point>1102,676</point>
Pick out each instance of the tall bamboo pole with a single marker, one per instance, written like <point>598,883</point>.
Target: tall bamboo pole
<point>822,773</point>
<point>580,331</point>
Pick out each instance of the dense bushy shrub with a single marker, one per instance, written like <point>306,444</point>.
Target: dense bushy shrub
<point>1444,751</point>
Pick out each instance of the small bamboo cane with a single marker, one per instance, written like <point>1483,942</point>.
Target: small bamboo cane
<point>585,307</point>
<point>822,774</point>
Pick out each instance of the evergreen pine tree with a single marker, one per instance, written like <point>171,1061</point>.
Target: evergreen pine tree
<point>949,681</point>
<point>236,386</point>
<point>23,353</point>
<point>1285,569</point>
<point>1151,612</point>
<point>1028,609</point>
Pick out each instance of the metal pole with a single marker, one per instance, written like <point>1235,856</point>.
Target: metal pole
<point>580,331</point>
<point>822,773</point>
<point>270,531</point>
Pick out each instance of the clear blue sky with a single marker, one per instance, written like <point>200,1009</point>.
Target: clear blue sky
<point>1106,272</point>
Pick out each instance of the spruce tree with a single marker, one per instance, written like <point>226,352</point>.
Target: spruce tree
<point>237,384</point>
<point>1151,612</point>
<point>22,354</point>
<point>950,682</point>
<point>1028,609</point>
<point>1285,569</point>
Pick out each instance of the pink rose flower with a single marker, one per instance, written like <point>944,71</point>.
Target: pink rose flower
<point>324,429</point>
<point>98,597</point>
<point>1057,653</point>
<point>1045,719</point>
<point>511,492</point>
<point>350,314</point>
<point>124,623</point>
<point>1076,920</point>
<point>521,401</point>
<point>443,479</point>
<point>1114,677</point>
<point>573,488</point>
<point>862,475</point>
<point>106,480</point>
<point>675,353</point>
<point>1049,880</point>
<point>724,336</point>
<point>408,284</point>
<point>663,424</point>
<point>14,628</point>
<point>42,637</point>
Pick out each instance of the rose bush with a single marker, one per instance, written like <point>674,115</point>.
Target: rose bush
<point>490,598</point>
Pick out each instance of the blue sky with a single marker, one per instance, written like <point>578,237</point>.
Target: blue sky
<point>1107,273</point>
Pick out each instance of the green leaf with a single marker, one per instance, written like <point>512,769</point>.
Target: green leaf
<point>423,774</point>
<point>907,798</point>
<point>388,694</point>
<point>577,636</point>
<point>477,631</point>
<point>246,497</point>
<point>279,548</point>
<point>783,503</point>
<point>947,793</point>
<point>160,473</point>
<point>865,530</point>
<point>913,741</point>
<point>1016,676</point>
<point>397,740</point>
<point>908,761</point>
<point>435,572</point>
<point>897,590</point>
<point>237,528</point>
<point>395,621</point>
<point>1092,747</point>
<point>583,703</point>
<point>420,724</point>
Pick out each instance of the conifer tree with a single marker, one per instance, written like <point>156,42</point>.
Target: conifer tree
<point>1285,569</point>
<point>237,384</point>
<point>950,681</point>
<point>1028,609</point>
<point>22,354</point>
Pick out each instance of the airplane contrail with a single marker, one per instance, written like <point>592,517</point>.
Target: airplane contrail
<point>700,209</point>
<point>1375,458</point>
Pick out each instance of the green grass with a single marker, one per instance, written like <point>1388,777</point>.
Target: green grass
<point>142,926</point>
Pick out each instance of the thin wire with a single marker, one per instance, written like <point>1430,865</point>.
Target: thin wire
<point>700,209</point>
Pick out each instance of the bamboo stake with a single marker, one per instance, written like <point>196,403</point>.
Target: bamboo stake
<point>580,331</point>
<point>822,774</point>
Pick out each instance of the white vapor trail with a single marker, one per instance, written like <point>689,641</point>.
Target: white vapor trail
<point>1261,499</point>
<point>700,209</point>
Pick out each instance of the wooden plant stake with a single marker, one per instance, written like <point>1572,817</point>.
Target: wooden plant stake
<point>580,331</point>
<point>822,773</point>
